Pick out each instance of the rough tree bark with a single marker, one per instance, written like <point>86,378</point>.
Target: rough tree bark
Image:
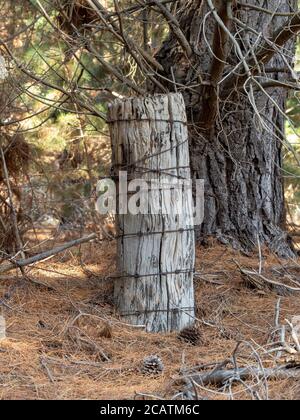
<point>156,251</point>
<point>237,153</point>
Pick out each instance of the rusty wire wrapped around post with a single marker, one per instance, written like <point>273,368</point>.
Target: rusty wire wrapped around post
<point>156,251</point>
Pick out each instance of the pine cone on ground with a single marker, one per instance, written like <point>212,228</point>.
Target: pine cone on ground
<point>152,365</point>
<point>191,335</point>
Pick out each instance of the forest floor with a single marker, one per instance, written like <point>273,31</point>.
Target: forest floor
<point>59,336</point>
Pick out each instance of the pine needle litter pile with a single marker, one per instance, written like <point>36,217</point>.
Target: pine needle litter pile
<point>64,340</point>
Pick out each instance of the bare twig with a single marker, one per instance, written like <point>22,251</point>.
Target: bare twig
<point>45,255</point>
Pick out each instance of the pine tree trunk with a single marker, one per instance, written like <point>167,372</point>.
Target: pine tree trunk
<point>240,155</point>
<point>156,251</point>
<point>244,191</point>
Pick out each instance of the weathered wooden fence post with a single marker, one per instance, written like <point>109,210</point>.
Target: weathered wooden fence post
<point>156,251</point>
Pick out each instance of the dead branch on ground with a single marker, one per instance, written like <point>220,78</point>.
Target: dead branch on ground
<point>11,265</point>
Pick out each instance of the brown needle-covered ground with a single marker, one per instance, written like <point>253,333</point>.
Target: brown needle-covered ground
<point>65,341</point>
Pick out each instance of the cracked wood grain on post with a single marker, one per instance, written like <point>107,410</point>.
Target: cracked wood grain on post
<point>150,139</point>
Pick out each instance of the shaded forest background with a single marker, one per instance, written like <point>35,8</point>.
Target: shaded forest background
<point>55,149</point>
